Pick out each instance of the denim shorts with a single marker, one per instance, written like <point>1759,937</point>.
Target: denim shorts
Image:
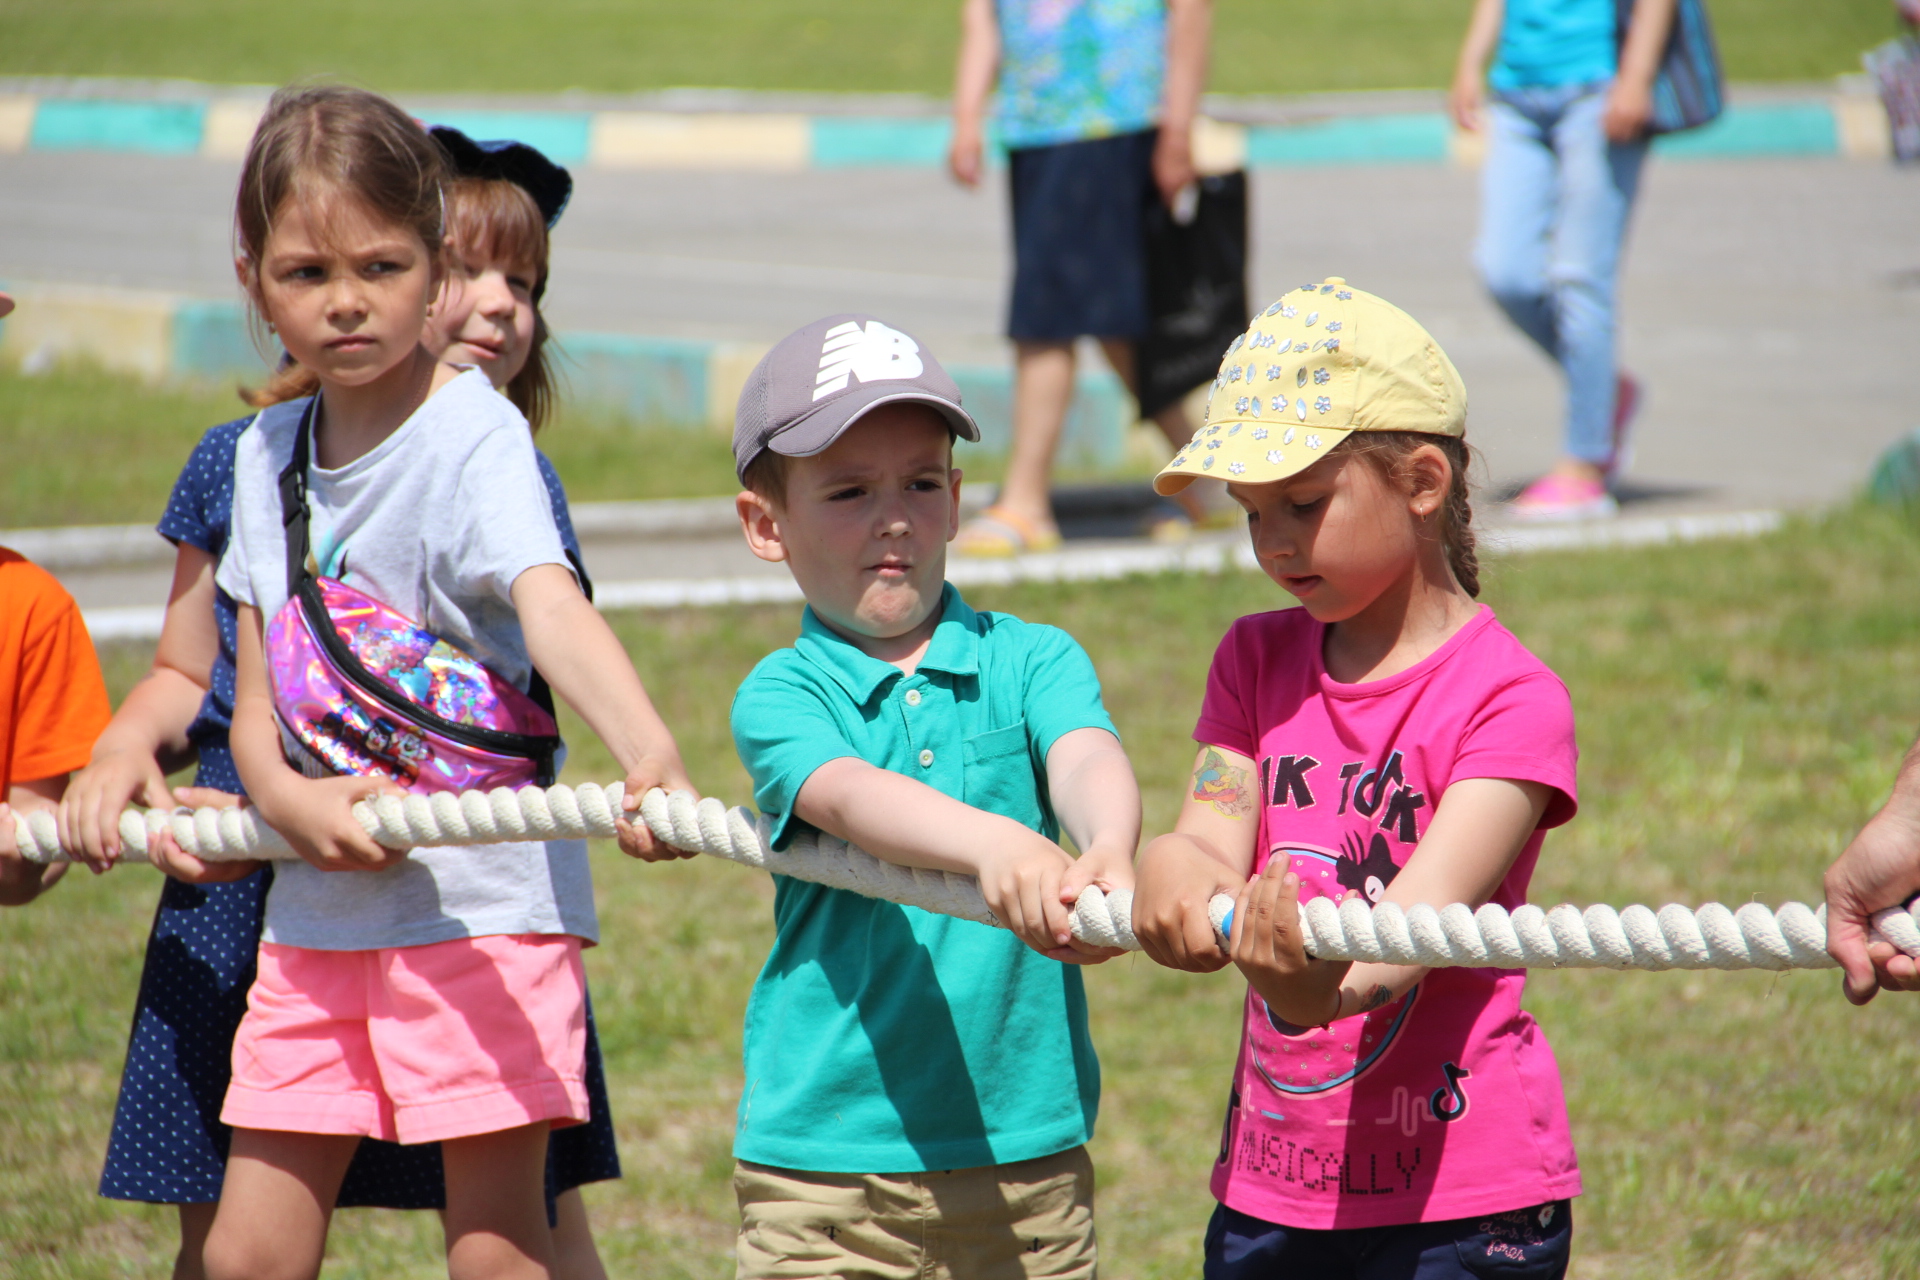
<point>1521,1244</point>
<point>1080,240</point>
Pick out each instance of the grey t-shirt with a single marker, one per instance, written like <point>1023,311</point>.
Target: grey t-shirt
<point>437,522</point>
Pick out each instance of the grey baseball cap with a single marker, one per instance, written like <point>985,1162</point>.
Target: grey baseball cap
<point>823,377</point>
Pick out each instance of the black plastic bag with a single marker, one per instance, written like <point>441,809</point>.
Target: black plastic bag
<point>1196,290</point>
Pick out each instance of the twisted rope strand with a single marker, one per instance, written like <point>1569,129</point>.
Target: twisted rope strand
<point>1712,937</point>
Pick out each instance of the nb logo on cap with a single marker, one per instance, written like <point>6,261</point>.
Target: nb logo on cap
<point>872,354</point>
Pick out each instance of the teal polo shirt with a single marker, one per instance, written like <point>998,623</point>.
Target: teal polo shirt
<point>883,1038</point>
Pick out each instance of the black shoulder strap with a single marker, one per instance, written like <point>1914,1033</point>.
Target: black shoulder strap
<point>293,500</point>
<point>537,687</point>
<point>580,572</point>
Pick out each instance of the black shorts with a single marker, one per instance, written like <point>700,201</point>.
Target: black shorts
<point>1522,1244</point>
<point>1079,238</point>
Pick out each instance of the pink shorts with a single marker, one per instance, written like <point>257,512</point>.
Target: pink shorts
<point>413,1044</point>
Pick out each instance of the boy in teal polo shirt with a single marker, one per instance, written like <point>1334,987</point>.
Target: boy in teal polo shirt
<point>918,1089</point>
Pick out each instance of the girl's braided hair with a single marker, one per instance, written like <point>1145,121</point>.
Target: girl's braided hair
<point>1389,451</point>
<point>323,138</point>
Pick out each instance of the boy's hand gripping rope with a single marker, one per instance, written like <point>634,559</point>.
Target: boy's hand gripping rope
<point>1712,937</point>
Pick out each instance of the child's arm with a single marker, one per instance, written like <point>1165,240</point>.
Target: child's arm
<point>1210,851</point>
<point>972,83</point>
<point>909,823</point>
<point>574,648</point>
<point>148,734</point>
<point>315,815</point>
<point>1098,801</point>
<point>1630,100</point>
<point>1481,826</point>
<point>22,881</point>
<point>1189,30</point>
<point>1470,73</point>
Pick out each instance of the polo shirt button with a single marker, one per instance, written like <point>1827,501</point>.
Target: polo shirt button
<point>926,759</point>
<point>913,697</point>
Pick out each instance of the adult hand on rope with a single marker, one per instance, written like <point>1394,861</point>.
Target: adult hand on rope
<point>1880,869</point>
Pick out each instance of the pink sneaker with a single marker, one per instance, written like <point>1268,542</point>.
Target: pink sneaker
<point>1555,497</point>
<point>1627,394</point>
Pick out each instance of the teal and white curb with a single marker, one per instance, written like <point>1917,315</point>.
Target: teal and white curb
<point>658,381</point>
<point>218,126</point>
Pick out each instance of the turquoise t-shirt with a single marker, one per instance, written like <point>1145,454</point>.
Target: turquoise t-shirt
<point>1073,69</point>
<point>883,1038</point>
<point>1555,42</point>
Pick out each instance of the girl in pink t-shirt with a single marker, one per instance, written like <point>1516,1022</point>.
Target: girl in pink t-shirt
<point>1392,740</point>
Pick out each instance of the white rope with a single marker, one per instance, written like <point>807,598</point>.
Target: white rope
<point>1712,937</point>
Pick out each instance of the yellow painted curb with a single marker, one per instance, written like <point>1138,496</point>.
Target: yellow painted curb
<point>1218,147</point>
<point>1467,150</point>
<point>660,140</point>
<point>16,121</point>
<point>126,330</point>
<point>229,127</point>
<point>1861,123</point>
<point>728,365</point>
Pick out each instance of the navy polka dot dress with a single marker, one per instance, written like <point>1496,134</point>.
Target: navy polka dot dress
<point>168,1145</point>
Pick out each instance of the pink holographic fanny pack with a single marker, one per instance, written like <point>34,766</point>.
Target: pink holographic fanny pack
<point>361,689</point>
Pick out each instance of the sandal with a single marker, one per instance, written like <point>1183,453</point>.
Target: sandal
<point>1000,534</point>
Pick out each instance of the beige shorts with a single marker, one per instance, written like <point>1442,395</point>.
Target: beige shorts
<point>999,1222</point>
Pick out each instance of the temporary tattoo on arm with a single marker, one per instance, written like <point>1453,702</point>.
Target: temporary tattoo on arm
<point>1381,994</point>
<point>1224,786</point>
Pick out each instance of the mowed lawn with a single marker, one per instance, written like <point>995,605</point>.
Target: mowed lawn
<point>86,447</point>
<point>1261,46</point>
<point>1742,706</point>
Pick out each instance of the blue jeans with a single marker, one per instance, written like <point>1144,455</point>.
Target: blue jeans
<point>1555,196</point>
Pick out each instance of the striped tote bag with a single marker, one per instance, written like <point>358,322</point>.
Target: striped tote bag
<point>1688,90</point>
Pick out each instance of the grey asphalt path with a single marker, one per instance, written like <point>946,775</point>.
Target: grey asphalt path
<point>1772,306</point>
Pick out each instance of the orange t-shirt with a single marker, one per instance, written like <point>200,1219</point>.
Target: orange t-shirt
<point>53,701</point>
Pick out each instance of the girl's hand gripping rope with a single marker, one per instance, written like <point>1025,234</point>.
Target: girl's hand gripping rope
<point>636,840</point>
<point>89,812</point>
<point>1269,947</point>
<point>315,816</point>
<point>1171,906</point>
<point>164,852</point>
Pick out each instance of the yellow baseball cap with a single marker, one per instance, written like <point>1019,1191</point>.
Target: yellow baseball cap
<point>1323,362</point>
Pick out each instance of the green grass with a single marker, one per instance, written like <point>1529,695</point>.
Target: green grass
<point>1262,46</point>
<point>1741,704</point>
<point>86,447</point>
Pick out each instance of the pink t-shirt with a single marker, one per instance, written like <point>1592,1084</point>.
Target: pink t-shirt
<point>1447,1102</point>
